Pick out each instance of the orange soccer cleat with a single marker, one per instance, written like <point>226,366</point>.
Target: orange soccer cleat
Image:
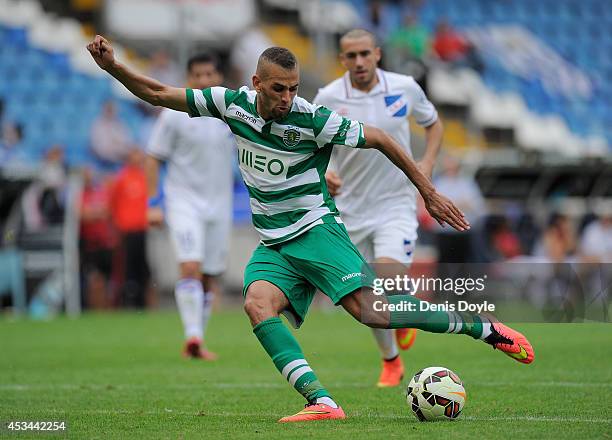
<point>511,342</point>
<point>392,373</point>
<point>405,337</point>
<point>194,349</point>
<point>315,411</point>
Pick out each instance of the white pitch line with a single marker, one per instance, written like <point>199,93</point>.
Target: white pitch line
<point>169,411</point>
<point>243,385</point>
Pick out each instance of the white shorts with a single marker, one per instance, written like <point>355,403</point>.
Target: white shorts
<point>197,239</point>
<point>392,235</point>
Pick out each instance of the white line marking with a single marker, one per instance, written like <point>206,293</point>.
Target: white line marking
<point>408,415</point>
<point>254,385</point>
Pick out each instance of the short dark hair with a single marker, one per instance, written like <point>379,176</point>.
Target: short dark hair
<point>203,58</point>
<point>280,56</point>
<point>359,33</point>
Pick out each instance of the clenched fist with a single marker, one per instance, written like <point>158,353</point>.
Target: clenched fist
<point>333,183</point>
<point>102,52</point>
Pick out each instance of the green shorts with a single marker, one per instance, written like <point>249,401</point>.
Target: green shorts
<point>321,258</point>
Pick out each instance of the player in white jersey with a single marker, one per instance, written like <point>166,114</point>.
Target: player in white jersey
<point>377,205</point>
<point>197,195</point>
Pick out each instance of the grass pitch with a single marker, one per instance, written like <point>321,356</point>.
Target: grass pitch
<point>121,376</point>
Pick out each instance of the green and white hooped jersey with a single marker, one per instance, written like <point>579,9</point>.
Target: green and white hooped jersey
<point>283,161</point>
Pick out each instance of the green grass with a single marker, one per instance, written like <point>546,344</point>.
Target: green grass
<point>120,376</point>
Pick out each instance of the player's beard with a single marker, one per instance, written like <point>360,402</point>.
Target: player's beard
<point>364,78</point>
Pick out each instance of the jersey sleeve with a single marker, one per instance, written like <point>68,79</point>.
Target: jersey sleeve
<point>162,139</point>
<point>423,110</point>
<point>211,102</point>
<point>331,128</point>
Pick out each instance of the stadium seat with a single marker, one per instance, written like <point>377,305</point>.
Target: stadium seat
<point>576,30</point>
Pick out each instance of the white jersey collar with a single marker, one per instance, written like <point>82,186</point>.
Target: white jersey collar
<point>381,87</point>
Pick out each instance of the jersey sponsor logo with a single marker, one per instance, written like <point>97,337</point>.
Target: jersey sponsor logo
<point>396,105</point>
<point>291,137</point>
<point>248,118</point>
<point>260,162</point>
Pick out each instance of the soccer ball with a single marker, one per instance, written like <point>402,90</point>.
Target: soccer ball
<point>436,393</point>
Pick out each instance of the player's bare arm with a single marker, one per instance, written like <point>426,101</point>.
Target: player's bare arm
<point>433,143</point>
<point>142,86</point>
<point>440,208</point>
<point>155,215</point>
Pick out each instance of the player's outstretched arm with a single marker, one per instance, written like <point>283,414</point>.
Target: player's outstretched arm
<point>440,208</point>
<point>142,86</point>
<point>433,143</point>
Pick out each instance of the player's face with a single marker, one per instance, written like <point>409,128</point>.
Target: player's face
<point>360,57</point>
<point>276,88</point>
<point>203,75</point>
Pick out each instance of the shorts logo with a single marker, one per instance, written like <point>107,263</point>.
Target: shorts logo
<point>352,275</point>
<point>396,105</point>
<point>408,247</point>
<point>291,137</point>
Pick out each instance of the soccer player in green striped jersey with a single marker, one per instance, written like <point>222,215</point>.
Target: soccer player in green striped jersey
<point>284,147</point>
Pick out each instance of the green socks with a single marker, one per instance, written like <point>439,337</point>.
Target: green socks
<point>411,312</point>
<point>288,358</point>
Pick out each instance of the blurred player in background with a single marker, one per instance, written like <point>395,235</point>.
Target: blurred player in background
<point>197,194</point>
<point>285,144</point>
<point>377,204</point>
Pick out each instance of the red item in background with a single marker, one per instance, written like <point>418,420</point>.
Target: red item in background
<point>129,199</point>
<point>507,244</point>
<point>97,232</point>
<point>450,46</point>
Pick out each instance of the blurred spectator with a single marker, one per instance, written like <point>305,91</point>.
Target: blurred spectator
<point>110,139</point>
<point>453,246</point>
<point>461,189</point>
<point>164,69</point>
<point>596,243</point>
<point>129,214</point>
<point>408,47</point>
<point>43,201</point>
<point>504,243</point>
<point>97,241</point>
<point>451,47</point>
<point>11,150</point>
<point>411,40</point>
<point>558,241</point>
<point>53,177</point>
<point>378,20</point>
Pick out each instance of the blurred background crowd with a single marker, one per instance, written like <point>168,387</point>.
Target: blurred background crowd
<point>524,89</point>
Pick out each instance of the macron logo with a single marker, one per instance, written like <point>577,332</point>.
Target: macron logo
<point>351,275</point>
<point>246,117</point>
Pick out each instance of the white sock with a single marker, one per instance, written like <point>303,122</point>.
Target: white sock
<point>486,327</point>
<point>190,301</point>
<point>206,310</point>
<point>327,401</point>
<point>386,342</point>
